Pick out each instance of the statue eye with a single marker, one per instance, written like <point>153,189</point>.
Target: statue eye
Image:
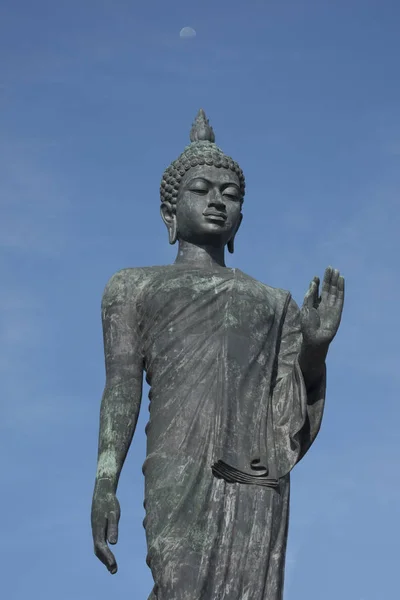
<point>199,187</point>
<point>201,191</point>
<point>231,193</point>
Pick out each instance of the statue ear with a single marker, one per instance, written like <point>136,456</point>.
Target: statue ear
<point>231,243</point>
<point>168,215</point>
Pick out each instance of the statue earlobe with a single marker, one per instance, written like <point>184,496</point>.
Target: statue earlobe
<point>231,244</point>
<point>169,217</point>
<point>172,232</point>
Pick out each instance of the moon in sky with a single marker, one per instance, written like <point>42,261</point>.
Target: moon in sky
<point>187,32</point>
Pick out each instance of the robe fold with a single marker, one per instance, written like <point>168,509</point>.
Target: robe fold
<point>229,418</point>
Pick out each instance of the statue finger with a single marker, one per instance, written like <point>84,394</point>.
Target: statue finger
<point>310,295</point>
<point>334,278</point>
<point>340,288</point>
<point>326,284</point>
<point>307,296</point>
<point>112,528</point>
<point>316,298</point>
<point>104,554</point>
<point>333,290</point>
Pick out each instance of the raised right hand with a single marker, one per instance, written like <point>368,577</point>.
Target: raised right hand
<point>105,518</point>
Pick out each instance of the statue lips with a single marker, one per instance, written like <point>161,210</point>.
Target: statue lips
<point>215,216</point>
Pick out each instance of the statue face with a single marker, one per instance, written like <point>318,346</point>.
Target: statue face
<point>208,208</point>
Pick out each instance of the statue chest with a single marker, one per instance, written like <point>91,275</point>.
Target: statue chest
<point>225,317</point>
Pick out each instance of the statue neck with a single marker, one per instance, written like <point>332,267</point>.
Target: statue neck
<point>200,256</point>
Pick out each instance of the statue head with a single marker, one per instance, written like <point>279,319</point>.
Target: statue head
<point>202,191</point>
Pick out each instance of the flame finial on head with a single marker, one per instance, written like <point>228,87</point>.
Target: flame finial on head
<point>201,129</point>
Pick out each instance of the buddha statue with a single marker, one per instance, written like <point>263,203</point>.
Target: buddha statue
<point>237,388</point>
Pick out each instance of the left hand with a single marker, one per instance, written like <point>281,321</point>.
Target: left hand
<point>320,315</point>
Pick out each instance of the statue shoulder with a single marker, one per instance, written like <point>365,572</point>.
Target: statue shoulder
<point>285,302</point>
<point>276,296</point>
<point>126,285</point>
<point>281,298</point>
<point>278,293</point>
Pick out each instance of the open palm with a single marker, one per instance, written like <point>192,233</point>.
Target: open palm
<point>321,314</point>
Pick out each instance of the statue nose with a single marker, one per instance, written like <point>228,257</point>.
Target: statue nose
<point>216,199</point>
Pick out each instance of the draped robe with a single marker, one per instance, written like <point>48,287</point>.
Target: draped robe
<point>229,418</point>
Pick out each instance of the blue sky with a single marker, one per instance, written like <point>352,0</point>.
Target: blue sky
<point>96,99</point>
